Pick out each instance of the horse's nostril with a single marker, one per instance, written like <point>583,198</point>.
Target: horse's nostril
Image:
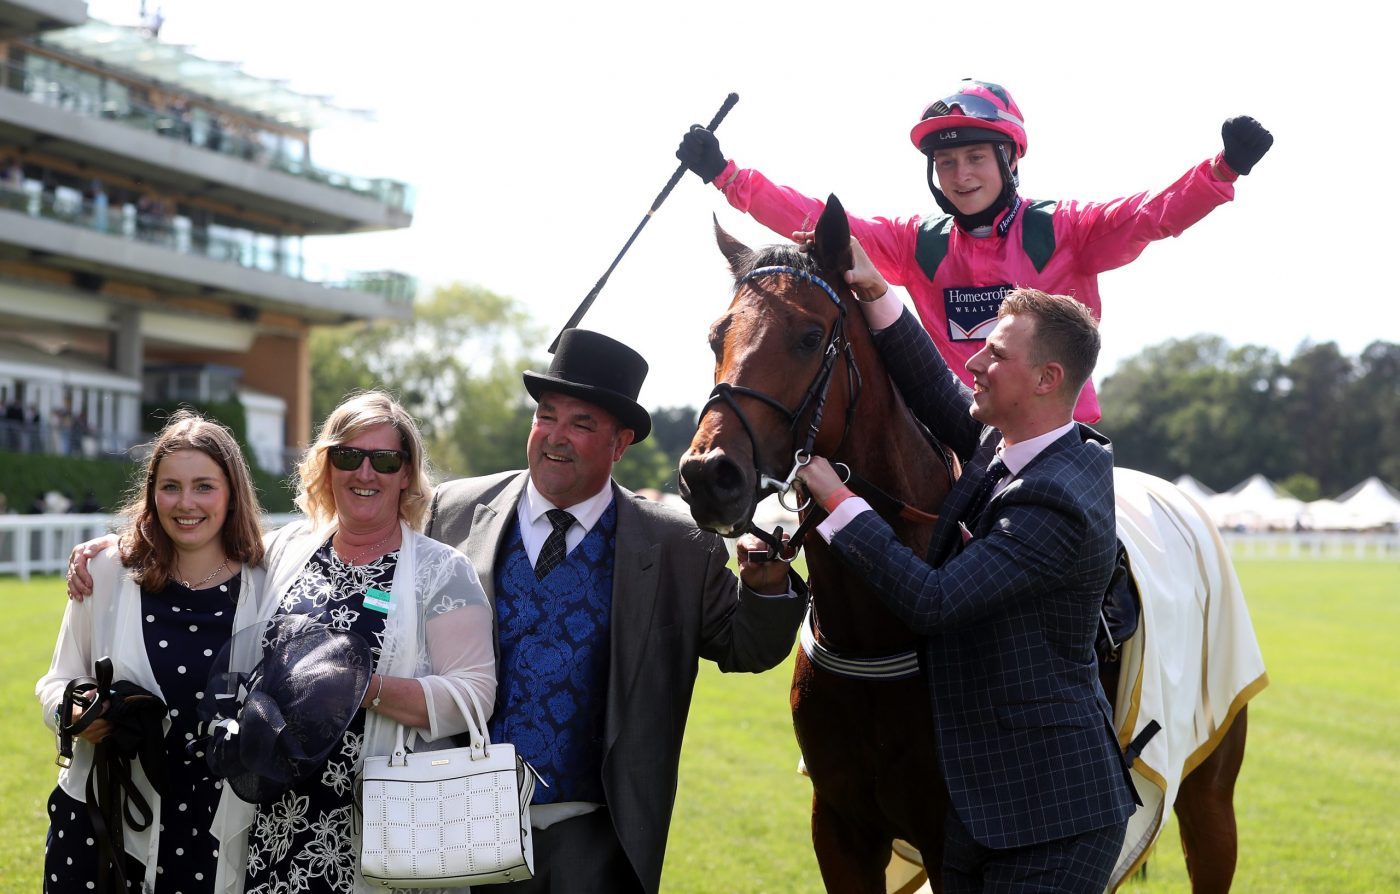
<point>713,476</point>
<point>727,477</point>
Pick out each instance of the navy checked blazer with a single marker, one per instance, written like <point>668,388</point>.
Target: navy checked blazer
<point>1025,734</point>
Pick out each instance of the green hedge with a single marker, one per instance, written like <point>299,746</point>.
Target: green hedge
<point>23,476</point>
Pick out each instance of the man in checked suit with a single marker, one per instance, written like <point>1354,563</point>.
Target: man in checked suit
<point>601,615</point>
<point>1008,597</point>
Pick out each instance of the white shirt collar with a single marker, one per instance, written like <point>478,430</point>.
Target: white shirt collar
<point>1019,455</point>
<point>586,512</point>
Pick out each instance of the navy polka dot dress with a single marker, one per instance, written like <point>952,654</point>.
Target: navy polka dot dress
<point>184,629</point>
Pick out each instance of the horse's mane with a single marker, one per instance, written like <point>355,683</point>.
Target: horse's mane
<point>775,256</point>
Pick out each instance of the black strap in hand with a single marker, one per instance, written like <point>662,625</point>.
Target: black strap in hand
<point>113,799</point>
<point>81,692</point>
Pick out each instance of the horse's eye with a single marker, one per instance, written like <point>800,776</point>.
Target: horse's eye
<point>811,340</point>
<point>717,333</point>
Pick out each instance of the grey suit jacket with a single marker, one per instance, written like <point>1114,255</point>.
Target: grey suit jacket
<point>673,602</point>
<point>1025,735</point>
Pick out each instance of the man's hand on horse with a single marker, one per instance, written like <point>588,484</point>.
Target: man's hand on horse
<point>863,278</point>
<point>819,479</point>
<point>767,576</point>
<point>79,579</point>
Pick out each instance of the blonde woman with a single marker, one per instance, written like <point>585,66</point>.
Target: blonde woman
<point>359,563</point>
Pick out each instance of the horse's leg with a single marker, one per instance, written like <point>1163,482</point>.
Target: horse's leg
<point>851,859</point>
<point>1205,808</point>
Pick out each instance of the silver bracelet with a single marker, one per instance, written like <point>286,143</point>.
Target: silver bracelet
<point>374,702</point>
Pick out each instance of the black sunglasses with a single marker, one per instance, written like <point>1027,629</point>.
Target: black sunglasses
<point>348,459</point>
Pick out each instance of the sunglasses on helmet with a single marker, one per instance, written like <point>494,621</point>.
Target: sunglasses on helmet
<point>971,105</point>
<point>348,459</point>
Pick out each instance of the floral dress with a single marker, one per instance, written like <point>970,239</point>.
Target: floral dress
<point>303,842</point>
<point>183,630</point>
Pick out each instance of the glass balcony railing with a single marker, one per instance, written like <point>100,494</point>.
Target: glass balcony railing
<point>85,94</point>
<point>178,233</point>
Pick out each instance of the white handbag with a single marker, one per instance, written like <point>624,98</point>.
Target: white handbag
<point>450,818</point>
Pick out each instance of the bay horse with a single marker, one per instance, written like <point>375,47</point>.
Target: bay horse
<point>797,374</point>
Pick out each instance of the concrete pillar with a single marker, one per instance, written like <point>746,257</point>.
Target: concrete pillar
<point>128,349</point>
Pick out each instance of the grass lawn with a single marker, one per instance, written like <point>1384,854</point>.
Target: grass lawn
<point>1316,799</point>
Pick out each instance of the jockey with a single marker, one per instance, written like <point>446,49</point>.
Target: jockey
<point>959,265</point>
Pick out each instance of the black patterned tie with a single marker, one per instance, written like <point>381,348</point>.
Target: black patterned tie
<point>554,550</point>
<point>996,470</point>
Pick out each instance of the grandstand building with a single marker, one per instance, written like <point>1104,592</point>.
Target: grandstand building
<point>153,212</point>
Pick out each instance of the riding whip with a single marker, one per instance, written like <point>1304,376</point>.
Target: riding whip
<point>661,197</point>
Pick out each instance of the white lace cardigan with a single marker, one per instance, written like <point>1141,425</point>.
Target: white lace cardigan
<point>449,648</point>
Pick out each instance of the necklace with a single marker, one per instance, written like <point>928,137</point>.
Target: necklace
<point>363,551</point>
<point>223,566</point>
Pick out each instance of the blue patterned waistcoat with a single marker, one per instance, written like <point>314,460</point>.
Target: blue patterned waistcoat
<point>552,679</point>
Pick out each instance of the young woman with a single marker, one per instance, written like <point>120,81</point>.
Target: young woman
<point>183,575</point>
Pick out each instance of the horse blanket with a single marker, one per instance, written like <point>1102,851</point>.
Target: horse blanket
<point>1194,662</point>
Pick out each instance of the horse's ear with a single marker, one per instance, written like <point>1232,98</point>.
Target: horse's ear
<point>735,251</point>
<point>833,237</point>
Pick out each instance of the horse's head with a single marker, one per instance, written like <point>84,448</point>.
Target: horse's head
<point>784,373</point>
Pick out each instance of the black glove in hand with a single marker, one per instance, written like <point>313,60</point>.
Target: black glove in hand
<point>699,152</point>
<point>1246,141</point>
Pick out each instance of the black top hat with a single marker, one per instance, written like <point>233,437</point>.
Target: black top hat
<point>272,728</point>
<point>601,370</point>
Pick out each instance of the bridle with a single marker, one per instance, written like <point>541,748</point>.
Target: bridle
<point>813,406</point>
<point>885,667</point>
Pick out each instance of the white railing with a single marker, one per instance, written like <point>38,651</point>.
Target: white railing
<point>1330,545</point>
<point>40,544</point>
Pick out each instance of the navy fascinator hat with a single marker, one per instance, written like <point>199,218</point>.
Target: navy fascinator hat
<point>268,730</point>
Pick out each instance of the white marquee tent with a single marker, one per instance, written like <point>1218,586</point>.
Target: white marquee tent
<point>1257,504</point>
<point>1195,489</point>
<point>1373,503</point>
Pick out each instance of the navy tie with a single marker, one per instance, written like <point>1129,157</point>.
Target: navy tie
<point>996,470</point>
<point>553,551</point>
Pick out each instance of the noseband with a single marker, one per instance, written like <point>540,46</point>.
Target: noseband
<point>813,404</point>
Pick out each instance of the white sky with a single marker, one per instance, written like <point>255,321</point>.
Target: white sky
<point>538,133</point>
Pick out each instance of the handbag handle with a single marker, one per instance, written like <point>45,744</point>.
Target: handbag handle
<point>479,735</point>
<point>476,729</point>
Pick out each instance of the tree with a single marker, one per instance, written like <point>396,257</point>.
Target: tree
<point>1321,420</point>
<point>1372,428</point>
<point>672,429</point>
<point>455,366</point>
<point>1314,405</point>
<point>1195,405</point>
<point>644,465</point>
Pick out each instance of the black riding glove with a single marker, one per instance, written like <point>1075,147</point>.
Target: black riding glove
<point>1246,141</point>
<point>699,152</point>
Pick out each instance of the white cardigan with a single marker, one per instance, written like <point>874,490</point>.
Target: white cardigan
<point>109,623</point>
<point>451,649</point>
